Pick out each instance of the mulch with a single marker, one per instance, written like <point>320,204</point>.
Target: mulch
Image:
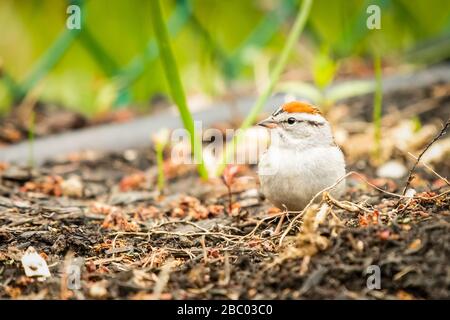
<point>103,213</point>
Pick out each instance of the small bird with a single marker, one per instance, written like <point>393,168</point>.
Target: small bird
<point>303,158</point>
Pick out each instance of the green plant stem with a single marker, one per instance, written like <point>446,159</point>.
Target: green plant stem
<point>300,21</point>
<point>261,35</point>
<point>175,85</point>
<point>160,164</point>
<point>377,104</point>
<point>140,63</point>
<point>49,59</point>
<point>101,56</point>
<point>11,85</point>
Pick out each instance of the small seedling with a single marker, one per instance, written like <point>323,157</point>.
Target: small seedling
<point>161,140</point>
<point>377,106</point>
<point>228,177</point>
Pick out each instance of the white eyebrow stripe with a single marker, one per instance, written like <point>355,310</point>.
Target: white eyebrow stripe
<point>310,117</point>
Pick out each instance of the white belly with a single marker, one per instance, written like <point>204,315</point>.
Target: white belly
<point>292,178</point>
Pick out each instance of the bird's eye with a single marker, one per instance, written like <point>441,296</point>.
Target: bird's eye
<point>291,121</point>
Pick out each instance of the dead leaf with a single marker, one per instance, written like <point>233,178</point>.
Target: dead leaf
<point>132,182</point>
<point>415,245</point>
<point>146,213</point>
<point>403,295</point>
<point>13,292</point>
<point>117,220</point>
<point>49,185</point>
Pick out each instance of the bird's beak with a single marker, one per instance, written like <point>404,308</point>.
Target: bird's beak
<point>268,123</point>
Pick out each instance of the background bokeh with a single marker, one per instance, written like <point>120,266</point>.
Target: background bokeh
<point>220,46</point>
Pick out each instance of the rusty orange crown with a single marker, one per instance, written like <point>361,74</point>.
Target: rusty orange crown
<point>301,107</point>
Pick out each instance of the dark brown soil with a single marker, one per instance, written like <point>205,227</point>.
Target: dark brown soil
<point>135,243</point>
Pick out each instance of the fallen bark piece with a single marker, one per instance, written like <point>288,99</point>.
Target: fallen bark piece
<point>119,250</point>
<point>34,265</point>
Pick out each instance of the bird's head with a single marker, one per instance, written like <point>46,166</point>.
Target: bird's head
<point>299,124</point>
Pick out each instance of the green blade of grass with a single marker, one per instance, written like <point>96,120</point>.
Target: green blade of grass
<point>377,104</point>
<point>11,84</point>
<point>261,35</point>
<point>160,164</point>
<point>297,28</point>
<point>49,59</point>
<point>175,85</point>
<point>101,56</point>
<point>231,65</point>
<point>355,29</point>
<point>140,63</point>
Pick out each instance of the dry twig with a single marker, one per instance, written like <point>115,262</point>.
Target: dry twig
<point>436,138</point>
<point>430,168</point>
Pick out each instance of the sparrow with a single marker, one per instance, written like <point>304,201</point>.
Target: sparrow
<point>302,159</point>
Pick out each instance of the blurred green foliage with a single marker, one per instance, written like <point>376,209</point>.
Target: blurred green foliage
<point>213,47</point>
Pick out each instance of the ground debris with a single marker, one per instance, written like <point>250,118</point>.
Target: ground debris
<point>203,240</point>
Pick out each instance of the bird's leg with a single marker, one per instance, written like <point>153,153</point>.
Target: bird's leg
<point>280,223</point>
